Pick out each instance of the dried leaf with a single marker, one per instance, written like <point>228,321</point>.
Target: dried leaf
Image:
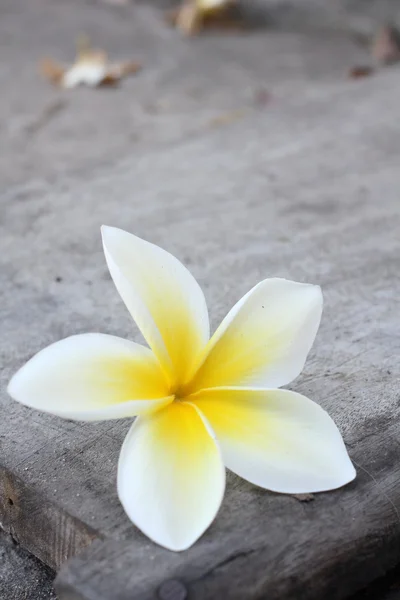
<point>360,72</point>
<point>194,15</point>
<point>386,45</point>
<point>189,18</point>
<point>91,68</point>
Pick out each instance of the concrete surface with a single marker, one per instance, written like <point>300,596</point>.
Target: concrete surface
<point>22,576</point>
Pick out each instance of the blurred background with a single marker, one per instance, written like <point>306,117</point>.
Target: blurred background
<point>265,53</point>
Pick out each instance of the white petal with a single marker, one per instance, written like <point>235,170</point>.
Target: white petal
<point>163,297</point>
<point>277,439</point>
<point>92,377</point>
<point>264,340</point>
<point>171,477</point>
<point>85,72</point>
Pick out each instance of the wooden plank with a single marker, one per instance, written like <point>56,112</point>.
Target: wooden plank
<point>37,523</point>
<point>307,190</point>
<point>264,547</point>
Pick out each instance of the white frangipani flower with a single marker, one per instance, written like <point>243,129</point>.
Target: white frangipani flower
<point>91,67</point>
<point>201,404</point>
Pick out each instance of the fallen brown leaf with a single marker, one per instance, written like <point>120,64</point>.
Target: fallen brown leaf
<point>386,45</point>
<point>194,15</point>
<point>91,68</point>
<point>189,18</point>
<point>360,72</point>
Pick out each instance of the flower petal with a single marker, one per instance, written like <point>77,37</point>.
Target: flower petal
<point>92,377</point>
<point>277,439</point>
<point>171,478</point>
<point>87,72</point>
<point>163,297</point>
<point>264,340</point>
